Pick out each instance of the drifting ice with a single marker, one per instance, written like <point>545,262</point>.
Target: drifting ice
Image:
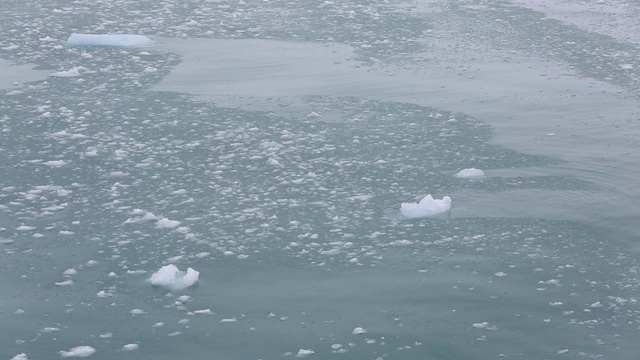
<point>471,173</point>
<point>108,40</point>
<point>171,277</point>
<point>427,207</point>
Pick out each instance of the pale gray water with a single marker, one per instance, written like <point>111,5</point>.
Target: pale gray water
<point>284,136</point>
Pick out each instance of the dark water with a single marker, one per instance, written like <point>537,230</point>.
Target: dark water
<point>283,137</point>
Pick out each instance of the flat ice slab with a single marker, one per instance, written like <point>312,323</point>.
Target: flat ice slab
<point>470,173</point>
<point>171,277</point>
<point>108,40</point>
<point>427,207</point>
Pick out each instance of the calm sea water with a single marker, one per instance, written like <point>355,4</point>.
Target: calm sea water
<point>279,139</point>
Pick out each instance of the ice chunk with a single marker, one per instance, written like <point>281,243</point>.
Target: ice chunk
<point>22,356</point>
<point>78,351</point>
<point>470,173</point>
<point>427,207</point>
<point>165,223</point>
<point>359,330</point>
<point>171,277</point>
<point>73,72</point>
<point>108,40</point>
<point>305,352</point>
<point>130,347</point>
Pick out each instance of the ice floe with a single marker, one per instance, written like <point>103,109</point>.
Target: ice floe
<point>171,277</point>
<point>108,40</point>
<point>470,173</point>
<point>78,351</point>
<point>427,207</point>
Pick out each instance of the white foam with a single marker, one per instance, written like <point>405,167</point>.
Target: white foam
<point>78,351</point>
<point>171,277</point>
<point>427,207</point>
<point>470,173</point>
<point>108,40</point>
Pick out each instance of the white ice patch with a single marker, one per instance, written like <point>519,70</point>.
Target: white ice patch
<point>22,356</point>
<point>130,347</point>
<point>470,173</point>
<point>165,223</point>
<point>427,207</point>
<point>108,40</point>
<point>73,72</point>
<point>304,352</point>
<point>171,277</point>
<point>78,351</point>
<point>358,331</point>
<point>55,163</point>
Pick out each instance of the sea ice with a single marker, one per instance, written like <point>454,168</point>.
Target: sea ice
<point>359,330</point>
<point>165,223</point>
<point>305,352</point>
<point>427,207</point>
<point>171,277</point>
<point>471,173</point>
<point>130,347</point>
<point>108,40</point>
<point>78,351</point>
<point>22,356</point>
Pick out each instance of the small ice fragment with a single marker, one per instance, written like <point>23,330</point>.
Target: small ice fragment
<point>171,277</point>
<point>70,272</point>
<point>165,223</point>
<point>500,274</point>
<point>304,352</point>
<point>55,163</point>
<point>19,311</point>
<point>563,351</point>
<point>24,228</point>
<point>65,283</point>
<point>228,320</point>
<point>205,311</point>
<point>73,72</point>
<point>427,207</point>
<point>22,356</point>
<point>103,294</point>
<point>137,312</point>
<point>359,330</point>
<point>482,325</point>
<point>470,173</point>
<point>130,347</point>
<point>108,40</point>
<point>78,351</point>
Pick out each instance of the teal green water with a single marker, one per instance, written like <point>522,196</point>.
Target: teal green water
<point>284,137</point>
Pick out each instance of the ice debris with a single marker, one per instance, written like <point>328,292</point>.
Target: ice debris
<point>78,351</point>
<point>470,173</point>
<point>171,277</point>
<point>427,207</point>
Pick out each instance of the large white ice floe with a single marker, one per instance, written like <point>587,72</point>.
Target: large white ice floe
<point>427,207</point>
<point>108,40</point>
<point>171,277</point>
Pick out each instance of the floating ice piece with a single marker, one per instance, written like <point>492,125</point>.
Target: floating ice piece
<point>305,352</point>
<point>73,72</point>
<point>470,173</point>
<point>78,351</point>
<point>427,207</point>
<point>55,163</point>
<point>108,40</point>
<point>130,347</point>
<point>359,330</point>
<point>165,223</point>
<point>22,356</point>
<point>171,277</point>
